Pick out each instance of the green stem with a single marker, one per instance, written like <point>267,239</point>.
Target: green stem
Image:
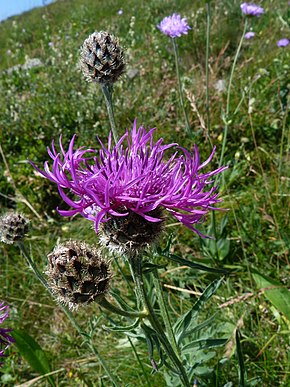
<point>208,118</point>
<point>180,86</point>
<point>229,95</point>
<point>208,25</point>
<point>281,146</point>
<point>114,309</point>
<point>107,91</point>
<point>164,311</point>
<point>138,279</point>
<point>68,314</point>
<point>139,361</point>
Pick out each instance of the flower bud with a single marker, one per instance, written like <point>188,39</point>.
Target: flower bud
<point>102,58</point>
<point>77,274</point>
<point>132,233</point>
<point>13,227</point>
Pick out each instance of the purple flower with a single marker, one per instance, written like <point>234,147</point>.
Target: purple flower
<point>250,9</point>
<point>283,42</point>
<point>174,26</point>
<point>133,176</point>
<point>5,339</point>
<point>249,35</point>
<point>120,12</point>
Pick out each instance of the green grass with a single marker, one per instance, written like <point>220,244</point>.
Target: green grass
<point>39,104</point>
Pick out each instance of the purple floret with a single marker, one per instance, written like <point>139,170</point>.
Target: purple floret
<point>174,26</point>
<point>251,9</point>
<point>283,42</point>
<point>249,35</point>
<point>5,339</point>
<point>133,175</point>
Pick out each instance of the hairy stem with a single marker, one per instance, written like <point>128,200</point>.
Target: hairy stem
<point>107,91</point>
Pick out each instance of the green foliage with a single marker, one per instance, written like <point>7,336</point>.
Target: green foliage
<point>32,353</point>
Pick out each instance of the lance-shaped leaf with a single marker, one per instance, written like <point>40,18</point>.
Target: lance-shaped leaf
<point>187,321</point>
<point>32,353</point>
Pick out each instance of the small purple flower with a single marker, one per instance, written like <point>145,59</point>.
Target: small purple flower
<point>251,9</point>
<point>283,42</point>
<point>120,12</point>
<point>50,44</point>
<point>174,26</point>
<point>133,176</point>
<point>5,339</point>
<point>249,35</point>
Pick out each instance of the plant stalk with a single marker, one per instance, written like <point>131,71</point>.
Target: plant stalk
<point>227,113</point>
<point>180,87</point>
<point>136,265</point>
<point>164,311</point>
<point>107,91</point>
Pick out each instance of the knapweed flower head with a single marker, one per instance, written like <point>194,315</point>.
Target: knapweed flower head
<point>135,175</point>
<point>283,42</point>
<point>77,274</point>
<point>102,58</point>
<point>250,9</point>
<point>249,35</point>
<point>13,227</point>
<point>174,26</point>
<point>5,338</point>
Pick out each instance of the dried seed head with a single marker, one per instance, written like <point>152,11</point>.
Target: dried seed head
<point>77,274</point>
<point>102,58</point>
<point>132,233</point>
<point>13,227</point>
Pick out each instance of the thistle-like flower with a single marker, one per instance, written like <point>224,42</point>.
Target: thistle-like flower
<point>13,227</point>
<point>102,58</point>
<point>5,339</point>
<point>174,26</point>
<point>133,176</point>
<point>250,9</point>
<point>77,274</point>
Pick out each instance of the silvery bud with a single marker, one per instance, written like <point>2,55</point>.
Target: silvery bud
<point>102,58</point>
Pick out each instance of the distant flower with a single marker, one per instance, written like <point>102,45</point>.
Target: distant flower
<point>174,26</point>
<point>50,44</point>
<point>283,42</point>
<point>251,9</point>
<point>8,52</point>
<point>249,35</point>
<point>133,176</point>
<point>5,339</point>
<point>120,12</point>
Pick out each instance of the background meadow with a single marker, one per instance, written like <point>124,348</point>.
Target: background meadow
<point>43,98</point>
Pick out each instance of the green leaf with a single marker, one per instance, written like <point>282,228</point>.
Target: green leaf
<point>187,321</point>
<point>277,294</point>
<point>119,328</point>
<point>203,344</point>
<point>32,353</point>
<point>196,328</point>
<point>193,265</point>
<point>149,267</point>
<point>241,360</point>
